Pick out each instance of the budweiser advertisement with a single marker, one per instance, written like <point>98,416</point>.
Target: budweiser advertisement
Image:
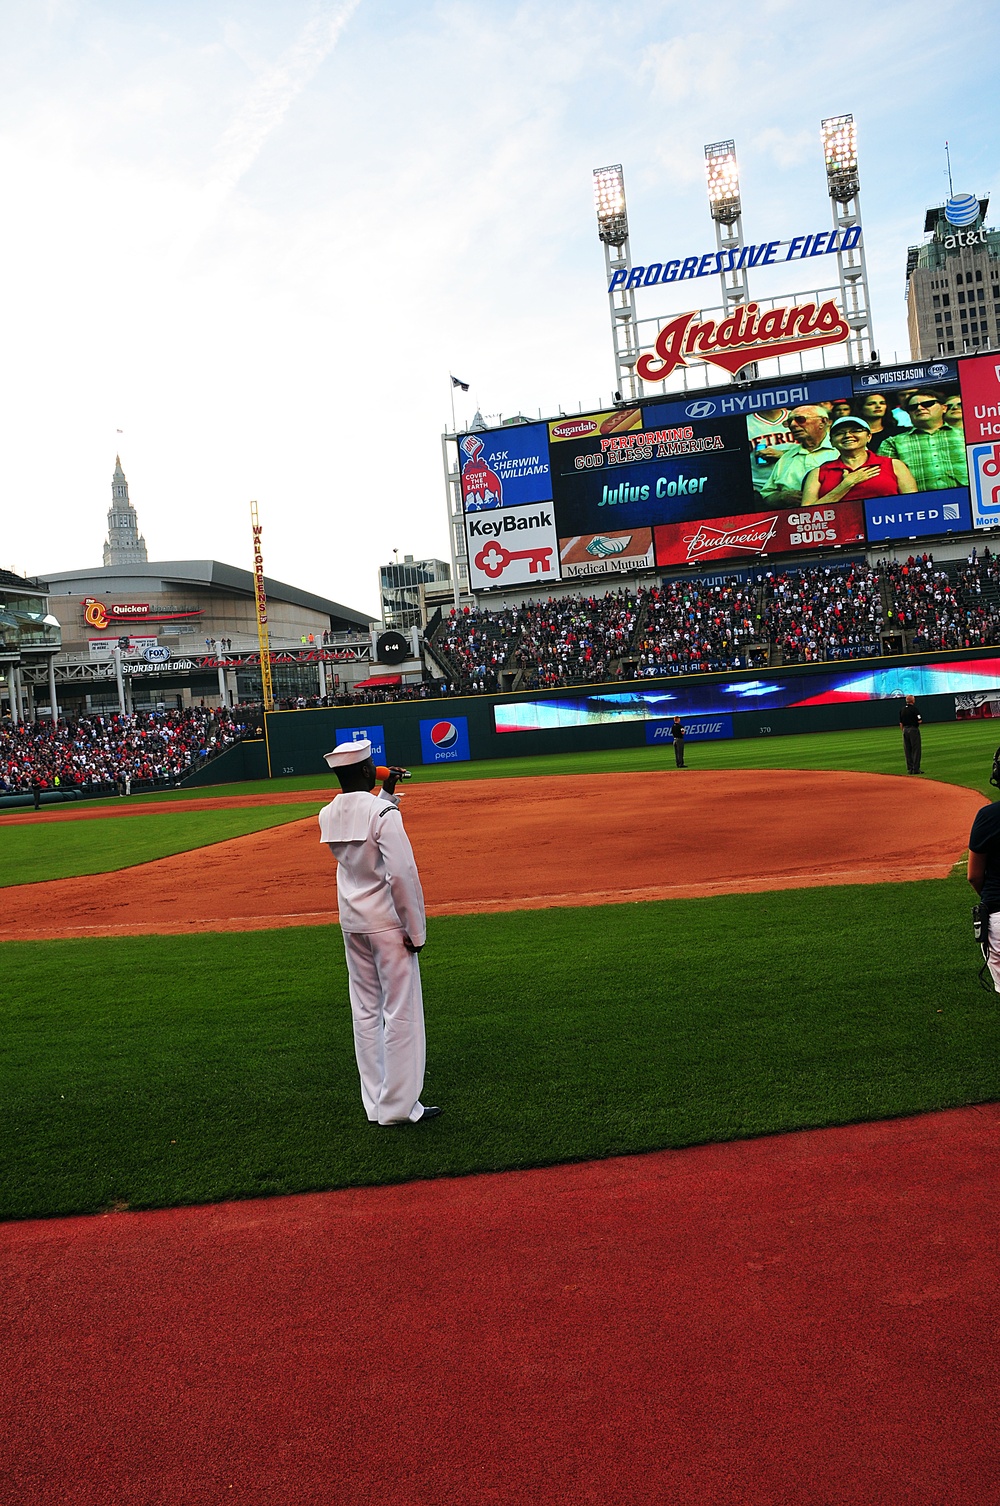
<point>758,535</point>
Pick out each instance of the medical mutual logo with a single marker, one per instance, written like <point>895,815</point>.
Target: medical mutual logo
<point>445,741</point>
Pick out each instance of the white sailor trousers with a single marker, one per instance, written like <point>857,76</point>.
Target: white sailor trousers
<point>388,1011</point>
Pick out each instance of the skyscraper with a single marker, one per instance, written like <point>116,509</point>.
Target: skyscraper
<point>953,282</point>
<point>125,544</point>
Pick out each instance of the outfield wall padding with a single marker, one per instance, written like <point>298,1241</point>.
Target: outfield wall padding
<point>245,760</point>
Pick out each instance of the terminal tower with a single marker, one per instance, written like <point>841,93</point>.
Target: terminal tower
<point>125,545</point>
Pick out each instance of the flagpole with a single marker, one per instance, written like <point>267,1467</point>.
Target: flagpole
<point>451,385</point>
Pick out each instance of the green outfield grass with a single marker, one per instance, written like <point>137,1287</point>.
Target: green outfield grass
<point>40,850</point>
<point>956,752</point>
<point>152,1071</point>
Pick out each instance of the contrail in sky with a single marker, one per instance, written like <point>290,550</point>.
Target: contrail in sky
<point>273,94</point>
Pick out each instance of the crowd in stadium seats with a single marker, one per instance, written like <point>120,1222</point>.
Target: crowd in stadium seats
<point>823,612</point>
<point>103,752</point>
<point>575,639</point>
<point>938,614</point>
<point>475,645</point>
<point>690,626</point>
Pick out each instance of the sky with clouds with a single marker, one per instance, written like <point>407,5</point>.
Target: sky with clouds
<point>257,238</point>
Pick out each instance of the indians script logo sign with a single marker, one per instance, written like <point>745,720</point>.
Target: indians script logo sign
<point>744,335</point>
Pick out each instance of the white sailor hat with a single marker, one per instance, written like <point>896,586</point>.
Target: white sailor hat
<point>348,753</point>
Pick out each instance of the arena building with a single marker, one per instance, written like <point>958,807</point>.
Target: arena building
<point>183,632</point>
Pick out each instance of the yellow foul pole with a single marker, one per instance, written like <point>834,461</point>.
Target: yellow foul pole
<point>263,639</point>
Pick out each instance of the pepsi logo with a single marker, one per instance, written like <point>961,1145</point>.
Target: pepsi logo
<point>444,735</point>
<point>704,408</point>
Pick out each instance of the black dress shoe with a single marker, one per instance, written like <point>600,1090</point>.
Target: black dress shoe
<point>430,1113</point>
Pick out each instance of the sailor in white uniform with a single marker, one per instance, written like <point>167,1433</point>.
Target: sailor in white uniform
<point>381,909</point>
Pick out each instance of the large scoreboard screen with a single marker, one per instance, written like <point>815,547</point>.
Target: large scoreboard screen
<point>736,474</point>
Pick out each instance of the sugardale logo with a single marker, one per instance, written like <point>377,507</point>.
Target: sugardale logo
<point>753,538</point>
<point>742,336</point>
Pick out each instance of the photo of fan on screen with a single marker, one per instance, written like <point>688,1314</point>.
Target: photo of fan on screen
<point>919,430</point>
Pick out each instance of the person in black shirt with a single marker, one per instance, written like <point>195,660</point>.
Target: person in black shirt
<point>984,875</point>
<point>909,720</point>
<point>677,733</point>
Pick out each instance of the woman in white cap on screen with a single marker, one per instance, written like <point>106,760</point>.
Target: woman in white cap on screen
<point>381,908</point>
<point>858,472</point>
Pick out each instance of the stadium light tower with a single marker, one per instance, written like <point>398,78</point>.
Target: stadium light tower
<point>840,152</point>
<point>723,175</point>
<point>612,229</point>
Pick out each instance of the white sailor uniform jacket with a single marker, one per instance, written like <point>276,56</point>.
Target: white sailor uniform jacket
<point>378,887</point>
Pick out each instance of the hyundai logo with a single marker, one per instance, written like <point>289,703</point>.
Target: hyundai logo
<point>704,408</point>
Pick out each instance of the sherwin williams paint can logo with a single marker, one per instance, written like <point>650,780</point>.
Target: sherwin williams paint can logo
<point>962,210</point>
<point>445,741</point>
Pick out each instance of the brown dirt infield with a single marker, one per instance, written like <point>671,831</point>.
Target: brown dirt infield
<point>513,844</point>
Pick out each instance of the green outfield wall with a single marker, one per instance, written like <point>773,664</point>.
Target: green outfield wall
<point>297,740</point>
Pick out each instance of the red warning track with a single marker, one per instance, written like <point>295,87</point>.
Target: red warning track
<point>511,844</point>
<point>794,1321</point>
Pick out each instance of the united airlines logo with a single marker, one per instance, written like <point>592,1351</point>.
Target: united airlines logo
<point>702,409</point>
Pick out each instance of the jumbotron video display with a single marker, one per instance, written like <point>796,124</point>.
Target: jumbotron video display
<point>965,677</point>
<point>736,474</point>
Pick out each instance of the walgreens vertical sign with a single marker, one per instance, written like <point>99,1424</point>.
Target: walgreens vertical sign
<point>258,576</point>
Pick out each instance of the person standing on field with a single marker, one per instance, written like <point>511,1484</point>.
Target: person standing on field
<point>677,733</point>
<point>381,908</point>
<point>910,720</point>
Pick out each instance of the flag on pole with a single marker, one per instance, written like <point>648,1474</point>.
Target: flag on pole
<point>456,383</point>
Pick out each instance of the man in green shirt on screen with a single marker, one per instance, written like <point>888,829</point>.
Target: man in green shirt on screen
<point>934,450</point>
